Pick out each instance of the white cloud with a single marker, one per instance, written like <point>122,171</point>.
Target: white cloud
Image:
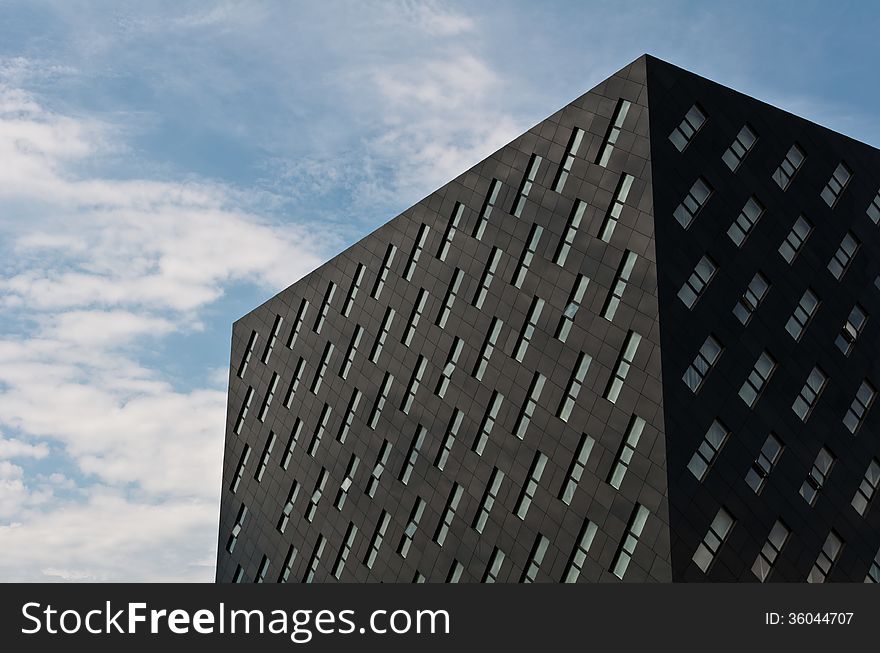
<point>15,448</point>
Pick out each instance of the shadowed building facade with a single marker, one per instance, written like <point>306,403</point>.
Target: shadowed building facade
<point>637,343</point>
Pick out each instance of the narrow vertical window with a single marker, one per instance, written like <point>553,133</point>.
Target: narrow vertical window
<point>239,575</point>
<point>571,309</point>
<point>345,486</point>
<point>236,528</point>
<point>621,368</point>
<point>576,468</point>
<point>536,557</point>
<point>387,260</point>
<point>770,551</point>
<point>488,423</point>
<point>449,367</point>
<point>695,285</point>
<point>412,525</point>
<point>264,459</point>
<point>455,571</point>
<point>351,351</point>
<point>693,120</point>
<point>382,336</point>
<point>719,529</point>
<point>708,450</point>
<point>705,359</point>
<point>347,544</point>
<point>767,458</point>
<point>754,384</point>
<point>320,427</point>
<point>873,575</point>
<point>488,500</point>
<point>350,412</point>
<point>243,412</point>
<point>315,559</point>
<point>627,450</point>
<point>322,368</point>
<point>574,144</point>
<point>693,202</point>
<point>416,252</point>
<point>413,387</point>
<point>267,400</point>
<point>827,557</point>
<point>571,229</point>
<point>792,162</point>
<point>618,286</point>
<point>412,454</point>
<point>528,408</point>
<point>853,326</point>
<point>574,386</point>
<point>449,299</point>
<point>742,144</point>
<point>627,548</point>
<point>239,470</point>
<point>868,488</point>
<point>317,493</point>
<point>874,209</point>
<point>837,184</point>
<point>803,313</point>
<point>248,352</point>
<point>291,443</point>
<point>613,132</point>
<point>451,228</point>
<point>808,397</point>
<point>528,328</point>
<point>325,307</point>
<point>487,277</point>
<point>273,338</point>
<point>287,510</point>
<point>818,475</point>
<point>287,568</point>
<point>297,323</point>
<point>844,255</point>
<point>612,216</point>
<point>539,462</point>
<point>487,349</point>
<point>448,514</point>
<point>353,289</point>
<point>414,317</point>
<point>751,298</point>
<point>381,398</point>
<point>794,241</point>
<point>746,220</point>
<point>579,554</point>
<point>860,406</point>
<point>448,439</point>
<point>294,382</point>
<point>486,211</point>
<point>528,253</point>
<point>378,469</point>
<point>494,566</point>
<point>525,186</point>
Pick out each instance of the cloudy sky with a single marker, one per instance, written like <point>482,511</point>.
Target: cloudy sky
<point>167,166</point>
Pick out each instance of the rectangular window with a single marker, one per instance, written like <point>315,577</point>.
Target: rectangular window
<point>708,450</point>
<point>837,184</point>
<point>448,439</point>
<point>317,493</point>
<point>325,307</point>
<point>449,299</point>
<point>612,216</point>
<point>312,567</point>
<point>287,568</point>
<point>239,575</point>
<point>239,470</point>
<point>236,528</point>
<point>528,409</point>
<point>618,286</point>
<point>536,557</point>
<point>630,540</point>
<point>695,285</point>
<point>487,277</point>
<point>455,571</point>
<point>322,368</point>
<point>579,554</point>
<point>621,368</point>
<point>347,544</point>
<point>851,330</point>
<point>844,255</point>
<point>528,253</point>
<point>242,413</point>
<point>416,252</point>
<point>488,423</point>
<point>627,449</point>
<point>576,468</point>
<point>742,144</point>
<point>382,336</point>
<point>267,400</point>
<point>874,572</point>
<point>525,186</point>
<point>248,352</point>
<point>809,394</point>
<point>387,261</point>
<point>350,412</point>
<point>451,227</point>
<point>528,329</point>
<point>488,500</point>
<point>818,475</point>
<point>574,386</point>
<point>294,382</point>
<point>355,342</point>
<point>800,231</point>
<point>792,162</point>
<point>412,525</point>
<point>574,143</point>
<point>613,132</point>
<point>486,211</point>
<point>449,367</point>
<point>320,427</point>
<point>571,309</point>
<point>719,529</point>
<point>345,486</point>
<point>531,486</point>
<point>803,313</point>
<point>413,387</point>
<point>412,454</point>
<point>868,488</point>
<point>448,514</point>
<point>571,229</point>
<point>767,458</point>
<point>414,317</point>
<point>291,443</point>
<point>748,303</point>
<point>705,359</point>
<point>264,459</point>
<point>376,540</point>
<point>297,323</point>
<point>693,120</point>
<point>494,566</point>
<point>487,349</point>
<point>770,551</point>
<point>287,510</point>
<point>380,401</point>
<point>273,338</point>
<point>378,468</point>
<point>874,209</point>
<point>855,415</point>
<point>751,388</point>
<point>746,220</point>
<point>693,202</point>
<point>827,557</point>
<point>353,290</point>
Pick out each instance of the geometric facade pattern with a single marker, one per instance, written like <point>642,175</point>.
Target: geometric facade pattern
<point>638,343</point>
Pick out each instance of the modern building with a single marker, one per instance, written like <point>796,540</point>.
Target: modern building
<point>638,343</point>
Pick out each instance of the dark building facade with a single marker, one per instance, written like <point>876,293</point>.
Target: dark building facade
<point>638,343</point>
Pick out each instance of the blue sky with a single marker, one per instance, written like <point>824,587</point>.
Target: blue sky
<point>167,166</point>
